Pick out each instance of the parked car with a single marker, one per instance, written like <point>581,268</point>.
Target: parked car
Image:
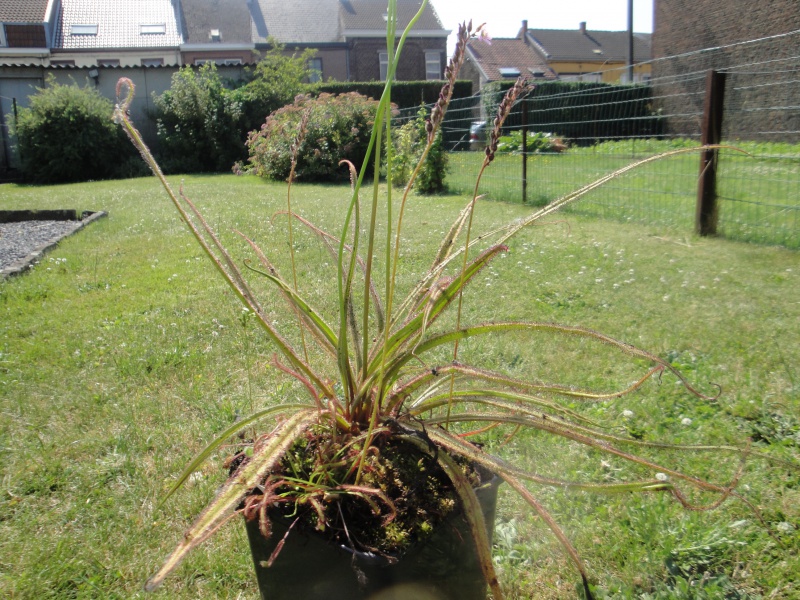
<point>477,135</point>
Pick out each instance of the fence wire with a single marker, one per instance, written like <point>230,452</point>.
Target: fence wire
<point>594,130</point>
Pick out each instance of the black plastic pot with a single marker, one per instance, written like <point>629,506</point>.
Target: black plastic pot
<point>443,567</point>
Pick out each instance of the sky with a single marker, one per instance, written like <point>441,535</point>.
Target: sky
<point>503,18</point>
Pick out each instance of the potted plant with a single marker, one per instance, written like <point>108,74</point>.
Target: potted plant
<point>378,461</point>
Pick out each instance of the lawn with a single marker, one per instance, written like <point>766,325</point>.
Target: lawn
<point>759,192</point>
<point>122,354</point>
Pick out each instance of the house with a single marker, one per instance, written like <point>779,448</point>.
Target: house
<point>545,54</point>
<point>218,31</point>
<point>364,30</point>
<point>584,55</point>
<point>26,31</point>
<point>304,24</point>
<point>349,36</point>
<point>503,59</point>
<point>113,33</point>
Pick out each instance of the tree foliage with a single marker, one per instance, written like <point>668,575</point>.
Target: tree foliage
<point>203,120</point>
<point>67,135</point>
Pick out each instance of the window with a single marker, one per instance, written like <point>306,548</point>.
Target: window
<point>221,62</point>
<point>3,41</point>
<point>433,65</point>
<point>108,62</point>
<point>383,59</point>
<point>62,63</point>
<point>509,72</point>
<point>315,67</point>
<point>153,29</point>
<point>591,77</point>
<point>152,62</point>
<point>83,29</point>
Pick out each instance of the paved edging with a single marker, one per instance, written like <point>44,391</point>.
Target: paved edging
<point>23,264</point>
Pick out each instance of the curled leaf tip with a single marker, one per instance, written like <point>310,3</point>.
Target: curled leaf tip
<point>125,92</point>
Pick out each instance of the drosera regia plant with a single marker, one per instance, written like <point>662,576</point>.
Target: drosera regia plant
<point>384,377</point>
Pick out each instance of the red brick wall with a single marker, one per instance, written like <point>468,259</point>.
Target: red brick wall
<point>365,65</point>
<point>686,25</point>
<point>756,71</point>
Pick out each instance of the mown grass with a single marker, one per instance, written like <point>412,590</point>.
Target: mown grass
<point>122,354</point>
<point>758,192</point>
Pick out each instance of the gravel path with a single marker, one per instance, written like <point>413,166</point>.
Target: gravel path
<point>19,241</point>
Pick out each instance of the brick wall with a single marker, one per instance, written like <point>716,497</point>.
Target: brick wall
<point>365,65</point>
<point>683,27</point>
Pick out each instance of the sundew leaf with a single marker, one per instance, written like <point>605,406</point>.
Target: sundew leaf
<point>228,498</point>
<point>225,436</point>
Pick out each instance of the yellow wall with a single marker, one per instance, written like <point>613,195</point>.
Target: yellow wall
<point>611,71</point>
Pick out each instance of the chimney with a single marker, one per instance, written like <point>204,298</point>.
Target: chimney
<point>523,30</point>
<point>582,27</point>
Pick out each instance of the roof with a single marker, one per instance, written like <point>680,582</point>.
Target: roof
<point>513,55</point>
<point>117,24</point>
<point>231,18</point>
<point>589,46</point>
<point>329,21</point>
<point>296,21</point>
<point>368,15</point>
<point>23,11</point>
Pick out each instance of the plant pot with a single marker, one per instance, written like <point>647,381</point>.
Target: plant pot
<point>444,566</point>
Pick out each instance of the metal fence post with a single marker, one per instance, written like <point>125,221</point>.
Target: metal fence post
<point>711,133</point>
<point>524,104</point>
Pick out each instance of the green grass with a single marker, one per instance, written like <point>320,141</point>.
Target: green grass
<point>758,193</point>
<point>122,354</point>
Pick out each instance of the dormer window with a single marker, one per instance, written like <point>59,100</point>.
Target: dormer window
<point>83,29</point>
<point>153,29</point>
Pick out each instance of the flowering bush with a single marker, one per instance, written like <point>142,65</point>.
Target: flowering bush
<point>336,128</point>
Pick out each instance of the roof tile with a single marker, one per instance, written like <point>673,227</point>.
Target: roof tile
<point>573,44</point>
<point>508,53</point>
<point>22,11</point>
<point>118,24</point>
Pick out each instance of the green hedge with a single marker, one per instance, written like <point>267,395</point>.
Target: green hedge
<point>405,94</point>
<point>585,113</point>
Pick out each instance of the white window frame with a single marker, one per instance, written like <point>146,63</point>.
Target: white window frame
<point>315,67</point>
<point>383,65</point>
<point>108,62</point>
<point>153,29</point>
<point>220,62</point>
<point>83,29</point>
<point>153,62</point>
<point>433,65</point>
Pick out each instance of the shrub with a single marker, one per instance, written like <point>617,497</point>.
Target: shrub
<point>67,135</point>
<point>337,128</point>
<point>203,122</point>
<point>199,123</point>
<point>409,143</point>
<point>274,83</point>
<point>536,142</point>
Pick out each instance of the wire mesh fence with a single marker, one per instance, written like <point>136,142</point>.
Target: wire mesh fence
<point>579,132</point>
